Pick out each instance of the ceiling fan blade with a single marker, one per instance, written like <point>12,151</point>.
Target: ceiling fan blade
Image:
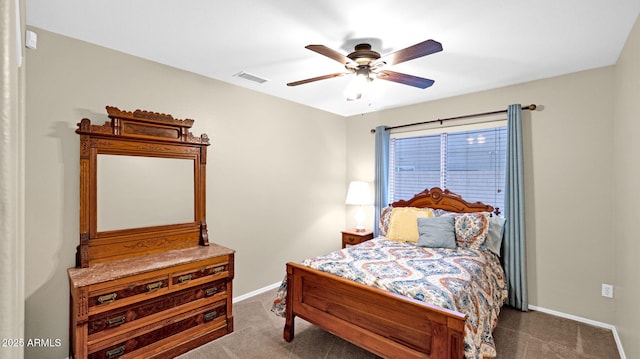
<point>424,48</point>
<point>323,77</point>
<point>405,79</point>
<point>330,53</point>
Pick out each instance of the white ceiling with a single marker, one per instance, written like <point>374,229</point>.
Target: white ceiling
<point>487,44</point>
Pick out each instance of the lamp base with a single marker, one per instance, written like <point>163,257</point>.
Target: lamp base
<point>360,220</point>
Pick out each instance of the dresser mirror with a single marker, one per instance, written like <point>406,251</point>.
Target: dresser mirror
<point>136,191</point>
<point>142,186</point>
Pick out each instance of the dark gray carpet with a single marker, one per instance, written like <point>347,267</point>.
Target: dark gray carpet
<point>258,334</point>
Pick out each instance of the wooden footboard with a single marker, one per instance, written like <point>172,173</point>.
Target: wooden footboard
<point>384,323</point>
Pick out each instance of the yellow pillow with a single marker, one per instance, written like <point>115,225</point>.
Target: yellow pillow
<point>403,223</point>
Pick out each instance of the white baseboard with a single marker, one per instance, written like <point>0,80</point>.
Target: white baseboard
<point>586,321</point>
<point>256,292</point>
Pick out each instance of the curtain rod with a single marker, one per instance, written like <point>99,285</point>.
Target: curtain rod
<point>530,107</point>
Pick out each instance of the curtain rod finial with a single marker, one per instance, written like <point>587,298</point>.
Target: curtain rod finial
<point>373,130</point>
<point>532,107</point>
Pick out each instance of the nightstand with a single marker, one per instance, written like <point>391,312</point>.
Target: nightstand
<point>351,237</point>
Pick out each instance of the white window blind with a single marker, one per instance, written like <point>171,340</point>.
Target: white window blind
<point>470,163</point>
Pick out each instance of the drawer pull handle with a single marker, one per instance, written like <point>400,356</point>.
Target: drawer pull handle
<point>152,287</point>
<point>210,316</point>
<point>184,278</point>
<point>114,322</point>
<point>217,270</point>
<point>211,291</point>
<point>113,353</point>
<point>107,298</point>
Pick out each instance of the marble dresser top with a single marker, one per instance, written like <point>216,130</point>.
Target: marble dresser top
<point>106,271</point>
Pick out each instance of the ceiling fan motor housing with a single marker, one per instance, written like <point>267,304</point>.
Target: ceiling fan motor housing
<point>363,55</point>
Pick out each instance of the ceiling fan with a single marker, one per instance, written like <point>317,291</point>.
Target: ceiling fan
<point>368,64</point>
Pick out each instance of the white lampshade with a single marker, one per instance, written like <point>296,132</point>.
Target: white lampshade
<point>358,193</point>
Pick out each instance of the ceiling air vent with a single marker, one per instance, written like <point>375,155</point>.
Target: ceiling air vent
<point>250,77</point>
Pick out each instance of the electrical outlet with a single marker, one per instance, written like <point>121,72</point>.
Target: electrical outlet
<point>607,290</point>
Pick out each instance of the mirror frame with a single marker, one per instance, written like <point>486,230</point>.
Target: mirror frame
<point>146,134</point>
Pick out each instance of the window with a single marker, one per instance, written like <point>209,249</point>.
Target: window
<point>470,163</point>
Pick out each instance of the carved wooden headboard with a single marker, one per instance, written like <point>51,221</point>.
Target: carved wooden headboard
<point>444,199</point>
<point>148,135</point>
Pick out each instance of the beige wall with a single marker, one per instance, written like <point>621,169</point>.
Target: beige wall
<point>275,176</point>
<point>626,151</point>
<point>568,149</point>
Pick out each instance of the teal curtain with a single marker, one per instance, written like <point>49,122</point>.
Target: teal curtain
<point>382,174</point>
<point>514,256</point>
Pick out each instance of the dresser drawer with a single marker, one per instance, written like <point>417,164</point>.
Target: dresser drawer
<point>127,290</point>
<point>200,274</point>
<point>113,320</point>
<point>140,342</point>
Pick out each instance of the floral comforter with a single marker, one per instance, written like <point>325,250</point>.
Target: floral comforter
<point>468,281</point>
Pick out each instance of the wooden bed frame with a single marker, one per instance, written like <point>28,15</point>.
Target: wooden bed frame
<point>384,323</point>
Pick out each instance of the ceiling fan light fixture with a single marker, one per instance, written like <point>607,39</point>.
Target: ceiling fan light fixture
<point>358,84</point>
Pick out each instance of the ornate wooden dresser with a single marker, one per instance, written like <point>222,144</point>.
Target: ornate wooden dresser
<point>147,282</point>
